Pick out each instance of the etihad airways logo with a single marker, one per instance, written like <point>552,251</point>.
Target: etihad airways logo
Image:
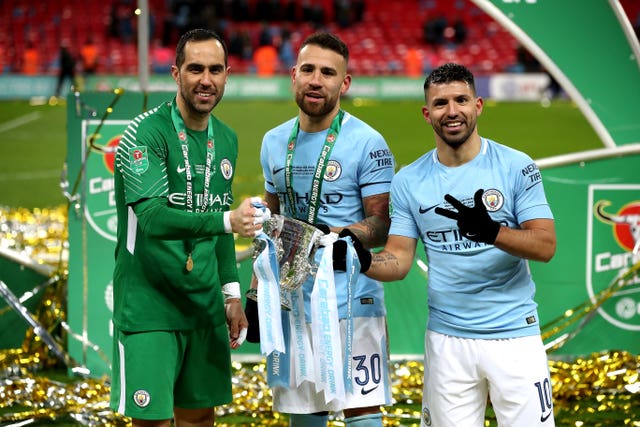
<point>216,201</point>
<point>614,246</point>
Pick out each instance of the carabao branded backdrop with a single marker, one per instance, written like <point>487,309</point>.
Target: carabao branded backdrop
<point>92,139</point>
<point>596,205</point>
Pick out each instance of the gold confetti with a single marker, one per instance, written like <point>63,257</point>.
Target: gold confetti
<point>600,383</point>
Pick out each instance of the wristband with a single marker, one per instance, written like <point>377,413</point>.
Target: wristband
<point>226,218</point>
<point>241,336</point>
<point>231,291</point>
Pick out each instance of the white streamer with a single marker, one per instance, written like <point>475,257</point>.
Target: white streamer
<point>327,343</point>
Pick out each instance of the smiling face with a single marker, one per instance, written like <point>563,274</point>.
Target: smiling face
<point>452,110</point>
<point>201,80</point>
<point>319,79</point>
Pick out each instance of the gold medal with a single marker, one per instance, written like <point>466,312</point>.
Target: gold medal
<point>189,264</point>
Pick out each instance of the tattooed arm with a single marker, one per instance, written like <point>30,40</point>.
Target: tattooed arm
<point>372,230</point>
<point>394,261</point>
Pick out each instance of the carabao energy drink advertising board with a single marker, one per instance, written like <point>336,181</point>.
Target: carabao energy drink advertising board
<point>93,226</point>
<point>95,123</point>
<point>590,288</point>
<point>614,225</point>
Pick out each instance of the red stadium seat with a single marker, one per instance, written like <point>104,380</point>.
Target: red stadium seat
<point>375,40</point>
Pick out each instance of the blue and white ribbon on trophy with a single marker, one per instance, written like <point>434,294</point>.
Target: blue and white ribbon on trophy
<point>274,325</point>
<point>329,365</point>
<point>267,272</point>
<point>333,374</point>
<point>300,347</point>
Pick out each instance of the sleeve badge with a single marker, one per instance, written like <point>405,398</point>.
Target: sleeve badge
<point>138,159</point>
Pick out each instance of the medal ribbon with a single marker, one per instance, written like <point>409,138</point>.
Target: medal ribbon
<point>181,132</point>
<point>321,166</point>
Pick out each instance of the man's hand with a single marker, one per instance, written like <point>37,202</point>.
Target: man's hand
<point>236,321</point>
<point>474,222</point>
<point>340,252</point>
<point>247,219</point>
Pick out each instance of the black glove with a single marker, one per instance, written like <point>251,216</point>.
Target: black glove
<point>474,222</point>
<point>340,252</point>
<point>251,311</point>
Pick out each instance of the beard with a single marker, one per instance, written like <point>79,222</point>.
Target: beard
<point>315,110</point>
<point>200,108</point>
<point>455,140</point>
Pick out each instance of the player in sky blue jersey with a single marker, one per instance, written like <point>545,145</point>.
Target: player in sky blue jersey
<point>327,167</point>
<point>480,210</point>
<point>354,172</point>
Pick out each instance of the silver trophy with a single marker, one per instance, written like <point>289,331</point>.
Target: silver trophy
<point>295,244</point>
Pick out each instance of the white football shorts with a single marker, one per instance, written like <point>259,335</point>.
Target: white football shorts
<point>459,374</point>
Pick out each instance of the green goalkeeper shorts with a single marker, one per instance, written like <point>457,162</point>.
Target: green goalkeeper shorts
<point>153,372</point>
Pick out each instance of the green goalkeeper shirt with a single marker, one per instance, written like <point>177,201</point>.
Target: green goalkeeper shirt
<point>158,226</point>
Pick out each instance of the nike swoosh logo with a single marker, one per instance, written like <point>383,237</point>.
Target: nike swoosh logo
<point>275,171</point>
<point>365,392</point>
<point>544,417</point>
<point>423,211</point>
<point>181,169</point>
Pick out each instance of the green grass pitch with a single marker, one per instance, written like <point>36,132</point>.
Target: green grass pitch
<point>33,141</point>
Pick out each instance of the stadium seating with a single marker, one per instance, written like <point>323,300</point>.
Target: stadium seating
<point>378,43</point>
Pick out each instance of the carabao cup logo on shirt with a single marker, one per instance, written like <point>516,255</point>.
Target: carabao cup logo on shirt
<point>138,159</point>
<point>615,233</point>
<point>100,206</point>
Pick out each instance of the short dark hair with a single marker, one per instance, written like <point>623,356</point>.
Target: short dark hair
<point>327,41</point>
<point>197,34</point>
<point>448,73</point>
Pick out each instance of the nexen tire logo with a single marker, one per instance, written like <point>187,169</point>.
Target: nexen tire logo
<point>613,233</point>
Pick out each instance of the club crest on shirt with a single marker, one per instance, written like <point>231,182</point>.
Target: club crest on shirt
<point>493,200</point>
<point>138,159</point>
<point>333,171</point>
<point>226,168</point>
<point>141,398</point>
